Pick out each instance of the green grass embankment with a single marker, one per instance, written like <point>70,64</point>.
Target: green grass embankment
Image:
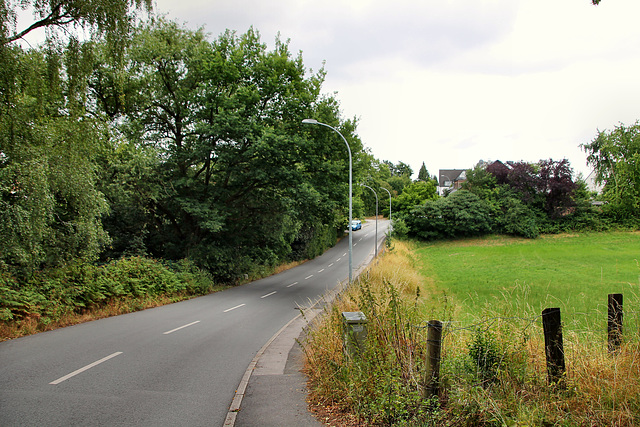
<point>489,293</point>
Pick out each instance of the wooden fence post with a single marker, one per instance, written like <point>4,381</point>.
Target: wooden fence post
<point>432,371</point>
<point>614,322</point>
<point>554,347</point>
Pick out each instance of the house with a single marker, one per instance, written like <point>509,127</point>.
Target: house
<point>451,179</point>
<point>592,185</point>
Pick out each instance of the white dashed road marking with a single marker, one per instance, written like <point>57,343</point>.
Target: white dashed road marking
<point>233,308</point>
<point>268,295</point>
<point>181,327</point>
<point>81,370</point>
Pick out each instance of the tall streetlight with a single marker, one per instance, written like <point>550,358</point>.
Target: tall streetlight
<point>315,122</point>
<point>376,194</point>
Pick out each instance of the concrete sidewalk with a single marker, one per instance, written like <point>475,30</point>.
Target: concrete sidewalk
<point>276,390</point>
<point>273,391</point>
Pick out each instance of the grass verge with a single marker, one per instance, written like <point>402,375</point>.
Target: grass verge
<point>493,370</point>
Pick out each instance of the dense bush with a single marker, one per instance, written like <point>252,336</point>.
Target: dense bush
<point>517,219</point>
<point>52,294</point>
<point>312,241</point>
<point>462,214</point>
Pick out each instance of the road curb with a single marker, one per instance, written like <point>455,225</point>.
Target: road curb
<point>244,382</point>
<point>242,387</point>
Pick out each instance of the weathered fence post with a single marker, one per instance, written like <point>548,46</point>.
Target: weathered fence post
<point>432,371</point>
<point>614,322</point>
<point>553,345</point>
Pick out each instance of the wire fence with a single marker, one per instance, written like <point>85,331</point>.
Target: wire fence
<point>606,330</point>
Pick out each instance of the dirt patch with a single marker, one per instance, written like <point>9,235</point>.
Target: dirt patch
<point>333,416</point>
<point>487,241</point>
<point>559,236</point>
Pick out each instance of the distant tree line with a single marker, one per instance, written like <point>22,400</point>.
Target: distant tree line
<point>528,199</point>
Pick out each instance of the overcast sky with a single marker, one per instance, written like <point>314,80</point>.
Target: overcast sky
<point>450,82</point>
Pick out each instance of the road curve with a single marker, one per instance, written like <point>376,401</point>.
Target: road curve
<point>175,365</point>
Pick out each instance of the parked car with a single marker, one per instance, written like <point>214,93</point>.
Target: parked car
<point>356,224</point>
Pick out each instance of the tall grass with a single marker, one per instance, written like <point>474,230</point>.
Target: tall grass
<point>380,385</point>
<point>493,369</point>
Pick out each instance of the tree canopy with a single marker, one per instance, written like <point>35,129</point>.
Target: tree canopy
<point>615,157</point>
<point>175,147</point>
<point>112,18</point>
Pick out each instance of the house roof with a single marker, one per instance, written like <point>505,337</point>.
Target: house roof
<point>451,176</point>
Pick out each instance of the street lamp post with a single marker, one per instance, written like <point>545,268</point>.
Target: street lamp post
<point>376,194</point>
<point>315,122</point>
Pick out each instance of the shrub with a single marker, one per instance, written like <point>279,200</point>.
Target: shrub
<point>54,294</point>
<point>518,219</point>
<point>485,356</point>
<point>462,214</point>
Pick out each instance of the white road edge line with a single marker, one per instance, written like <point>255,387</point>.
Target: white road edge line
<point>268,295</point>
<point>81,370</point>
<point>181,327</point>
<point>293,284</point>
<point>233,308</point>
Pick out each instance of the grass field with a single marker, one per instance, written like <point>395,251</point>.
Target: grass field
<point>489,293</point>
<point>521,276</point>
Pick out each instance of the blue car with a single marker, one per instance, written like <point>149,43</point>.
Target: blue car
<point>356,224</point>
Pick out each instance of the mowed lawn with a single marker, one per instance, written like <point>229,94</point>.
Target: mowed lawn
<point>510,276</point>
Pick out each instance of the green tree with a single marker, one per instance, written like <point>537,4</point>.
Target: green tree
<point>400,169</point>
<point>416,193</point>
<point>112,18</point>
<point>240,181</point>
<point>51,207</point>
<point>423,174</point>
<point>461,214</point>
<point>480,181</point>
<point>615,157</point>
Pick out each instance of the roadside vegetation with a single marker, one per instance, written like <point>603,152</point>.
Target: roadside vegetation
<point>132,147</point>
<point>75,294</point>
<point>489,293</point>
<point>142,162</point>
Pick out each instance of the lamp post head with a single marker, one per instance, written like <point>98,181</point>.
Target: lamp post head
<point>310,121</point>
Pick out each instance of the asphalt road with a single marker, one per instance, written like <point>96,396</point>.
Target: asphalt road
<point>177,365</point>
